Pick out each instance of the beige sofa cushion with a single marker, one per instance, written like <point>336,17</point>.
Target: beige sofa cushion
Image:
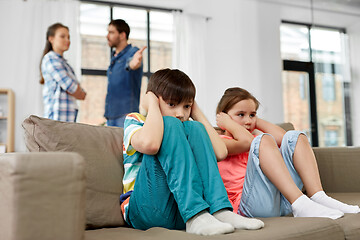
<point>286,126</point>
<point>350,223</point>
<point>284,228</point>
<point>42,199</point>
<point>339,168</point>
<point>101,148</point>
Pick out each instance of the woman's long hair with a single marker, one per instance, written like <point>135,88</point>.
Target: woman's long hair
<point>48,47</point>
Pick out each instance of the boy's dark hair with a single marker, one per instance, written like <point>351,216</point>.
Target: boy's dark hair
<point>172,85</point>
<point>232,96</point>
<point>121,26</point>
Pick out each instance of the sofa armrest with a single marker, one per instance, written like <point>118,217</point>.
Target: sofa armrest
<point>42,196</point>
<point>339,168</point>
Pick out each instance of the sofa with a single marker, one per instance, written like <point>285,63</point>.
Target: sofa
<point>67,187</point>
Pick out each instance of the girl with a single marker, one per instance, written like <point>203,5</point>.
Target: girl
<point>170,166</point>
<point>274,177</point>
<point>61,88</point>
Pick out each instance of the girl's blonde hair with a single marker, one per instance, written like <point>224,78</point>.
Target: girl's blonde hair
<point>232,96</point>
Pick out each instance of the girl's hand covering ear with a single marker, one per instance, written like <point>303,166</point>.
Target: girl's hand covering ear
<point>222,120</point>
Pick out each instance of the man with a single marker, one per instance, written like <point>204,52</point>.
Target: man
<point>124,75</point>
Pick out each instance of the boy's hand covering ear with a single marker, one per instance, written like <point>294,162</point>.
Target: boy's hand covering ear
<point>194,110</point>
<point>146,100</point>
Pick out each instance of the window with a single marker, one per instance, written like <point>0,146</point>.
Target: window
<point>319,56</point>
<point>302,86</point>
<point>328,87</point>
<point>331,137</point>
<point>151,27</point>
<point>294,42</point>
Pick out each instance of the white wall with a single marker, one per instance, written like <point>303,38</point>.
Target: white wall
<point>23,33</point>
<point>242,50</point>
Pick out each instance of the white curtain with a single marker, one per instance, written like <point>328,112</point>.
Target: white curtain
<point>23,34</point>
<point>190,33</point>
<point>354,40</point>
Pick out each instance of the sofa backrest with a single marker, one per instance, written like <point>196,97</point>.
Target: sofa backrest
<point>339,168</point>
<point>286,126</point>
<point>102,150</point>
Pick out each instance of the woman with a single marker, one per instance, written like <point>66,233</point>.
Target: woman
<point>61,88</point>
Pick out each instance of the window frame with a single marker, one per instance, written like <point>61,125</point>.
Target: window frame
<point>111,5</point>
<point>311,68</point>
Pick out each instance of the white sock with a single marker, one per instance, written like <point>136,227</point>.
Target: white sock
<point>204,223</point>
<point>304,207</point>
<point>237,221</point>
<point>323,199</point>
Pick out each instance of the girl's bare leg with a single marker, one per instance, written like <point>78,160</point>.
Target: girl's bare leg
<point>273,166</point>
<point>305,164</point>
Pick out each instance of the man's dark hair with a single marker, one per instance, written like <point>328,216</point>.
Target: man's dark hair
<point>121,26</point>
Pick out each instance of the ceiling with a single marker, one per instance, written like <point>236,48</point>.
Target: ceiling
<point>334,5</point>
<point>349,3</point>
<point>344,6</point>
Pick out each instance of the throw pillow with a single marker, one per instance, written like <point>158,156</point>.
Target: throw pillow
<point>101,148</point>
